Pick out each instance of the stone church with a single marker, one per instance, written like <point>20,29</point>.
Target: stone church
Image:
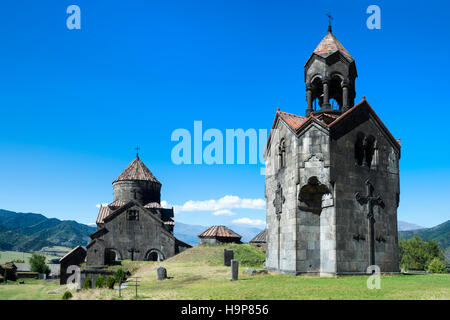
<point>332,177</point>
<point>134,226</point>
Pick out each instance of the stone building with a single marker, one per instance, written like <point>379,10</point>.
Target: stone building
<point>332,177</point>
<point>219,235</point>
<point>74,257</point>
<point>260,239</point>
<point>134,226</point>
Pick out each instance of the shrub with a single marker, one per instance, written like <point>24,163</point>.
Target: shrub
<point>37,264</point>
<point>67,295</point>
<point>120,275</point>
<point>100,282</point>
<point>87,283</point>
<point>437,266</point>
<point>110,281</point>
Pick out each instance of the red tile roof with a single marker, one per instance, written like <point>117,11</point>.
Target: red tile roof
<point>330,45</point>
<point>219,231</point>
<point>103,213</point>
<point>116,204</point>
<point>295,122</point>
<point>136,170</point>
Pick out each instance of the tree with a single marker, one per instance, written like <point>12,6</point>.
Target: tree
<point>120,275</point>
<point>437,266</point>
<point>37,263</point>
<point>416,254</point>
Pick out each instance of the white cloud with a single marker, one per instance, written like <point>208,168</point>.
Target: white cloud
<point>250,222</point>
<point>226,202</point>
<point>93,224</point>
<point>165,204</point>
<point>224,212</point>
<point>98,205</point>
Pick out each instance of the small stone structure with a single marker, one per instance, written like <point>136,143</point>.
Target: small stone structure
<point>93,274</point>
<point>76,257</point>
<point>228,255</point>
<point>134,226</point>
<point>255,271</point>
<point>161,273</point>
<point>219,235</point>
<point>259,240</point>
<point>234,270</point>
<point>332,177</point>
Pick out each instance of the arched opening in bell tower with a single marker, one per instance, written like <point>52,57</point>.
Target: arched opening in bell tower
<point>335,92</point>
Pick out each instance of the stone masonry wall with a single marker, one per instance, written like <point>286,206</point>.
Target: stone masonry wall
<point>351,217</point>
<point>316,247</point>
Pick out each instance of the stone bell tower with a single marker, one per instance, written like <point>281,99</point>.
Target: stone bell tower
<point>330,74</point>
<point>332,177</point>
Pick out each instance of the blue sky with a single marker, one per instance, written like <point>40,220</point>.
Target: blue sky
<point>75,103</point>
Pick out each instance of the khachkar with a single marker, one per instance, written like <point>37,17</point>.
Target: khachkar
<point>332,177</point>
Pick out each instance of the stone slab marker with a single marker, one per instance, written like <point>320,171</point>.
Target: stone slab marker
<point>162,273</point>
<point>234,269</point>
<point>228,255</point>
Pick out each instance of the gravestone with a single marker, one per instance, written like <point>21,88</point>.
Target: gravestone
<point>234,269</point>
<point>228,255</point>
<point>162,273</point>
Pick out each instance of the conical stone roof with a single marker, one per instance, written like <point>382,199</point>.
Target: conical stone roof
<point>136,170</point>
<point>329,45</point>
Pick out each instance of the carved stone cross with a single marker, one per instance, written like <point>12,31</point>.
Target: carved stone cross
<point>133,251</point>
<point>278,201</point>
<point>371,200</point>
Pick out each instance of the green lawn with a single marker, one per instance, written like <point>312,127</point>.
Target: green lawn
<point>33,289</point>
<point>198,273</point>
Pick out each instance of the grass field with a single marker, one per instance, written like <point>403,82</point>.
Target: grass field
<point>7,256</point>
<point>198,273</point>
<point>33,289</point>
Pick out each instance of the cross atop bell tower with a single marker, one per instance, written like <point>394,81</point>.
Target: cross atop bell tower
<point>330,17</point>
<point>330,74</point>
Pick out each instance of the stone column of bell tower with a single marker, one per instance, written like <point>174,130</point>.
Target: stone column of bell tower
<point>330,74</point>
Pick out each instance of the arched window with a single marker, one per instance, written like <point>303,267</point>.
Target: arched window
<point>310,196</point>
<point>282,154</point>
<point>335,92</point>
<point>359,149</point>
<point>369,149</point>
<point>317,94</point>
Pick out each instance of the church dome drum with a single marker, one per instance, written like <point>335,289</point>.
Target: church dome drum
<point>137,183</point>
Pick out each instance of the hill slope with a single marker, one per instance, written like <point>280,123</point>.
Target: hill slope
<point>32,231</point>
<point>440,233</point>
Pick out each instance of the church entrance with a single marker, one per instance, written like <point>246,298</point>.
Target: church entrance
<point>310,219</point>
<point>112,256</point>
<point>154,255</point>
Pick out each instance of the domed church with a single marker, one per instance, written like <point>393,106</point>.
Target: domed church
<point>134,226</point>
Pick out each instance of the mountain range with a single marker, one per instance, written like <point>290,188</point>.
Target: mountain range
<point>32,231</point>
<point>439,233</point>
